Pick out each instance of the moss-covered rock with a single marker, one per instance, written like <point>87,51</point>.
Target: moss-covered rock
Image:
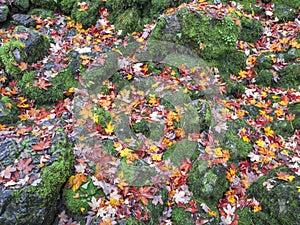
<point>251,30</point>
<point>61,83</point>
<point>286,128</point>
<point>207,184</point>
<point>20,5</point>
<point>89,16</point>
<point>37,204</point>
<point>280,204</point>
<point>285,10</point>
<point>238,148</point>
<point>11,54</point>
<point>43,13</point>
<point>289,77</point>
<point>216,37</point>
<point>36,44</point>
<point>9,112</point>
<point>4,11</point>
<point>46,4</point>
<point>132,15</point>
<point>79,206</point>
<point>66,6</point>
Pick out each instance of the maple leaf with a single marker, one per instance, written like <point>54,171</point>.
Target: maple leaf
<point>23,165</point>
<point>285,176</point>
<point>41,145</point>
<point>8,171</point>
<point>23,66</point>
<point>76,181</point>
<point>109,128</point>
<point>86,112</point>
<point>42,84</point>
<point>125,152</point>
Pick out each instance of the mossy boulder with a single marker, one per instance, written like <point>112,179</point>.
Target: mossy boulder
<point>212,39</point>
<point>132,15</point>
<point>285,10</point>
<point>238,148</point>
<point>208,184</point>
<point>8,110</point>
<point>43,13</point>
<point>4,11</point>
<point>46,4</point>
<point>36,44</point>
<point>61,83</point>
<point>287,128</point>
<point>280,204</point>
<point>37,203</point>
<point>251,30</point>
<point>86,191</point>
<point>27,46</point>
<point>11,54</point>
<point>20,6</point>
<point>89,16</point>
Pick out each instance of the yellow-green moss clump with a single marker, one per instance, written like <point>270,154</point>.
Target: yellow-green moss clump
<point>8,110</point>
<point>207,184</point>
<point>59,84</point>
<point>8,58</point>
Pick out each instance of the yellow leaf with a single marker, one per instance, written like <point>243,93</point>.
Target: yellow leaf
<point>86,111</point>
<point>260,143</point>
<point>109,128</point>
<point>125,152</point>
<point>257,208</point>
<point>156,157</point>
<point>96,118</point>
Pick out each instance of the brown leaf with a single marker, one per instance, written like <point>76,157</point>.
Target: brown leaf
<point>24,165</point>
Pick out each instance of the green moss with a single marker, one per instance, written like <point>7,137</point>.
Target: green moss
<point>142,127</point>
<point>8,111</point>
<point>66,6</point>
<point>251,30</point>
<point>287,128</point>
<point>86,191</point>
<point>295,109</point>
<point>289,77</point>
<point>36,44</point>
<point>87,17</point>
<point>280,205</point>
<point>207,184</point>
<point>156,211</point>
<point>180,216</point>
<point>234,88</point>
<point>128,21</point>
<point>103,116</point>
<point>46,4</point>
<point>265,78</point>
<point>130,221</point>
<point>285,10</point>
<point>8,59</point>
<point>54,176</point>
<point>59,84</point>
<point>44,13</point>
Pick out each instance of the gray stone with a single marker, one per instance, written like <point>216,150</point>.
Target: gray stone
<point>3,13</point>
<point>36,44</point>
<point>24,20</point>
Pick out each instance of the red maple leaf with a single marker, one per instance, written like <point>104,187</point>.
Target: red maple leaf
<point>42,84</point>
<point>41,145</point>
